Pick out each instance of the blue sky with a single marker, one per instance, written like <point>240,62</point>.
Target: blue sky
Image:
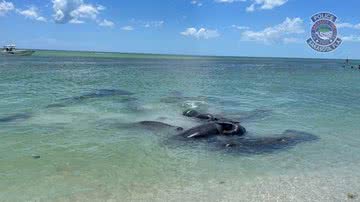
<point>276,28</point>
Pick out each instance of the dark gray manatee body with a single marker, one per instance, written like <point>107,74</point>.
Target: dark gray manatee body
<point>15,117</point>
<point>243,145</point>
<point>149,125</point>
<point>101,93</point>
<point>228,135</point>
<point>195,114</point>
<point>202,131</point>
<point>206,117</point>
<point>156,125</point>
<point>213,129</point>
<point>261,145</point>
<point>246,116</point>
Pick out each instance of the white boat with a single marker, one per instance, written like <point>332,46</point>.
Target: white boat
<point>11,50</point>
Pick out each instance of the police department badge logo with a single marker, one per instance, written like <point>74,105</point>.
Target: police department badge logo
<point>324,35</point>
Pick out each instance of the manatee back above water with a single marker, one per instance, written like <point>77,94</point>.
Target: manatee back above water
<point>213,129</point>
<point>101,93</point>
<point>244,145</point>
<point>270,144</point>
<point>202,131</point>
<point>15,117</point>
<point>231,117</point>
<point>155,126</point>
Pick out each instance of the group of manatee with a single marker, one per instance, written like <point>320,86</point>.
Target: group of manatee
<point>217,132</point>
<point>222,134</point>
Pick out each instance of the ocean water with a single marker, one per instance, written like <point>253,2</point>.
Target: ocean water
<point>57,146</point>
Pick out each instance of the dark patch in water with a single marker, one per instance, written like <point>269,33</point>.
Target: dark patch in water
<point>270,144</point>
<point>220,133</point>
<point>176,93</point>
<point>150,125</point>
<point>247,145</point>
<point>101,93</point>
<point>56,105</point>
<point>156,125</point>
<point>352,196</point>
<point>248,116</point>
<point>214,129</point>
<point>15,117</point>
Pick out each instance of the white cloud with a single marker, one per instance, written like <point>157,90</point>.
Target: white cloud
<point>31,13</point>
<point>227,1</point>
<point>348,25</point>
<point>75,11</point>
<point>128,28</point>
<point>6,7</point>
<point>250,8</point>
<point>155,24</point>
<point>202,33</point>
<point>276,33</point>
<point>258,4</point>
<point>270,4</point>
<point>240,27</point>
<point>101,7</point>
<point>265,5</point>
<point>351,38</point>
<point>76,21</point>
<point>196,2</point>
<point>106,23</point>
<point>147,24</point>
<point>85,11</point>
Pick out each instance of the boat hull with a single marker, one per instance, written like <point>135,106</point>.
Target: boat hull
<point>18,53</point>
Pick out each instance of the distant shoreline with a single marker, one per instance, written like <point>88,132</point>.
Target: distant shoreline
<point>108,54</point>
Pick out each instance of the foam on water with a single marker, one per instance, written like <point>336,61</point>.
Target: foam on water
<point>85,154</point>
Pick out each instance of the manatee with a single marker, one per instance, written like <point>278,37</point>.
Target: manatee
<point>270,144</point>
<point>191,113</point>
<point>100,93</point>
<point>219,133</point>
<point>202,131</point>
<point>195,114</point>
<point>246,116</point>
<point>176,93</point>
<point>156,125</point>
<point>15,117</point>
<point>95,94</point>
<point>244,145</point>
<point>56,105</point>
<point>207,117</point>
<point>149,125</point>
<point>214,129</point>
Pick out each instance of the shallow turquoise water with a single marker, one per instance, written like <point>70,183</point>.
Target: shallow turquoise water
<point>86,155</point>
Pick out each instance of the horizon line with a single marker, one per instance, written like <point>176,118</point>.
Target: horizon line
<point>189,55</point>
